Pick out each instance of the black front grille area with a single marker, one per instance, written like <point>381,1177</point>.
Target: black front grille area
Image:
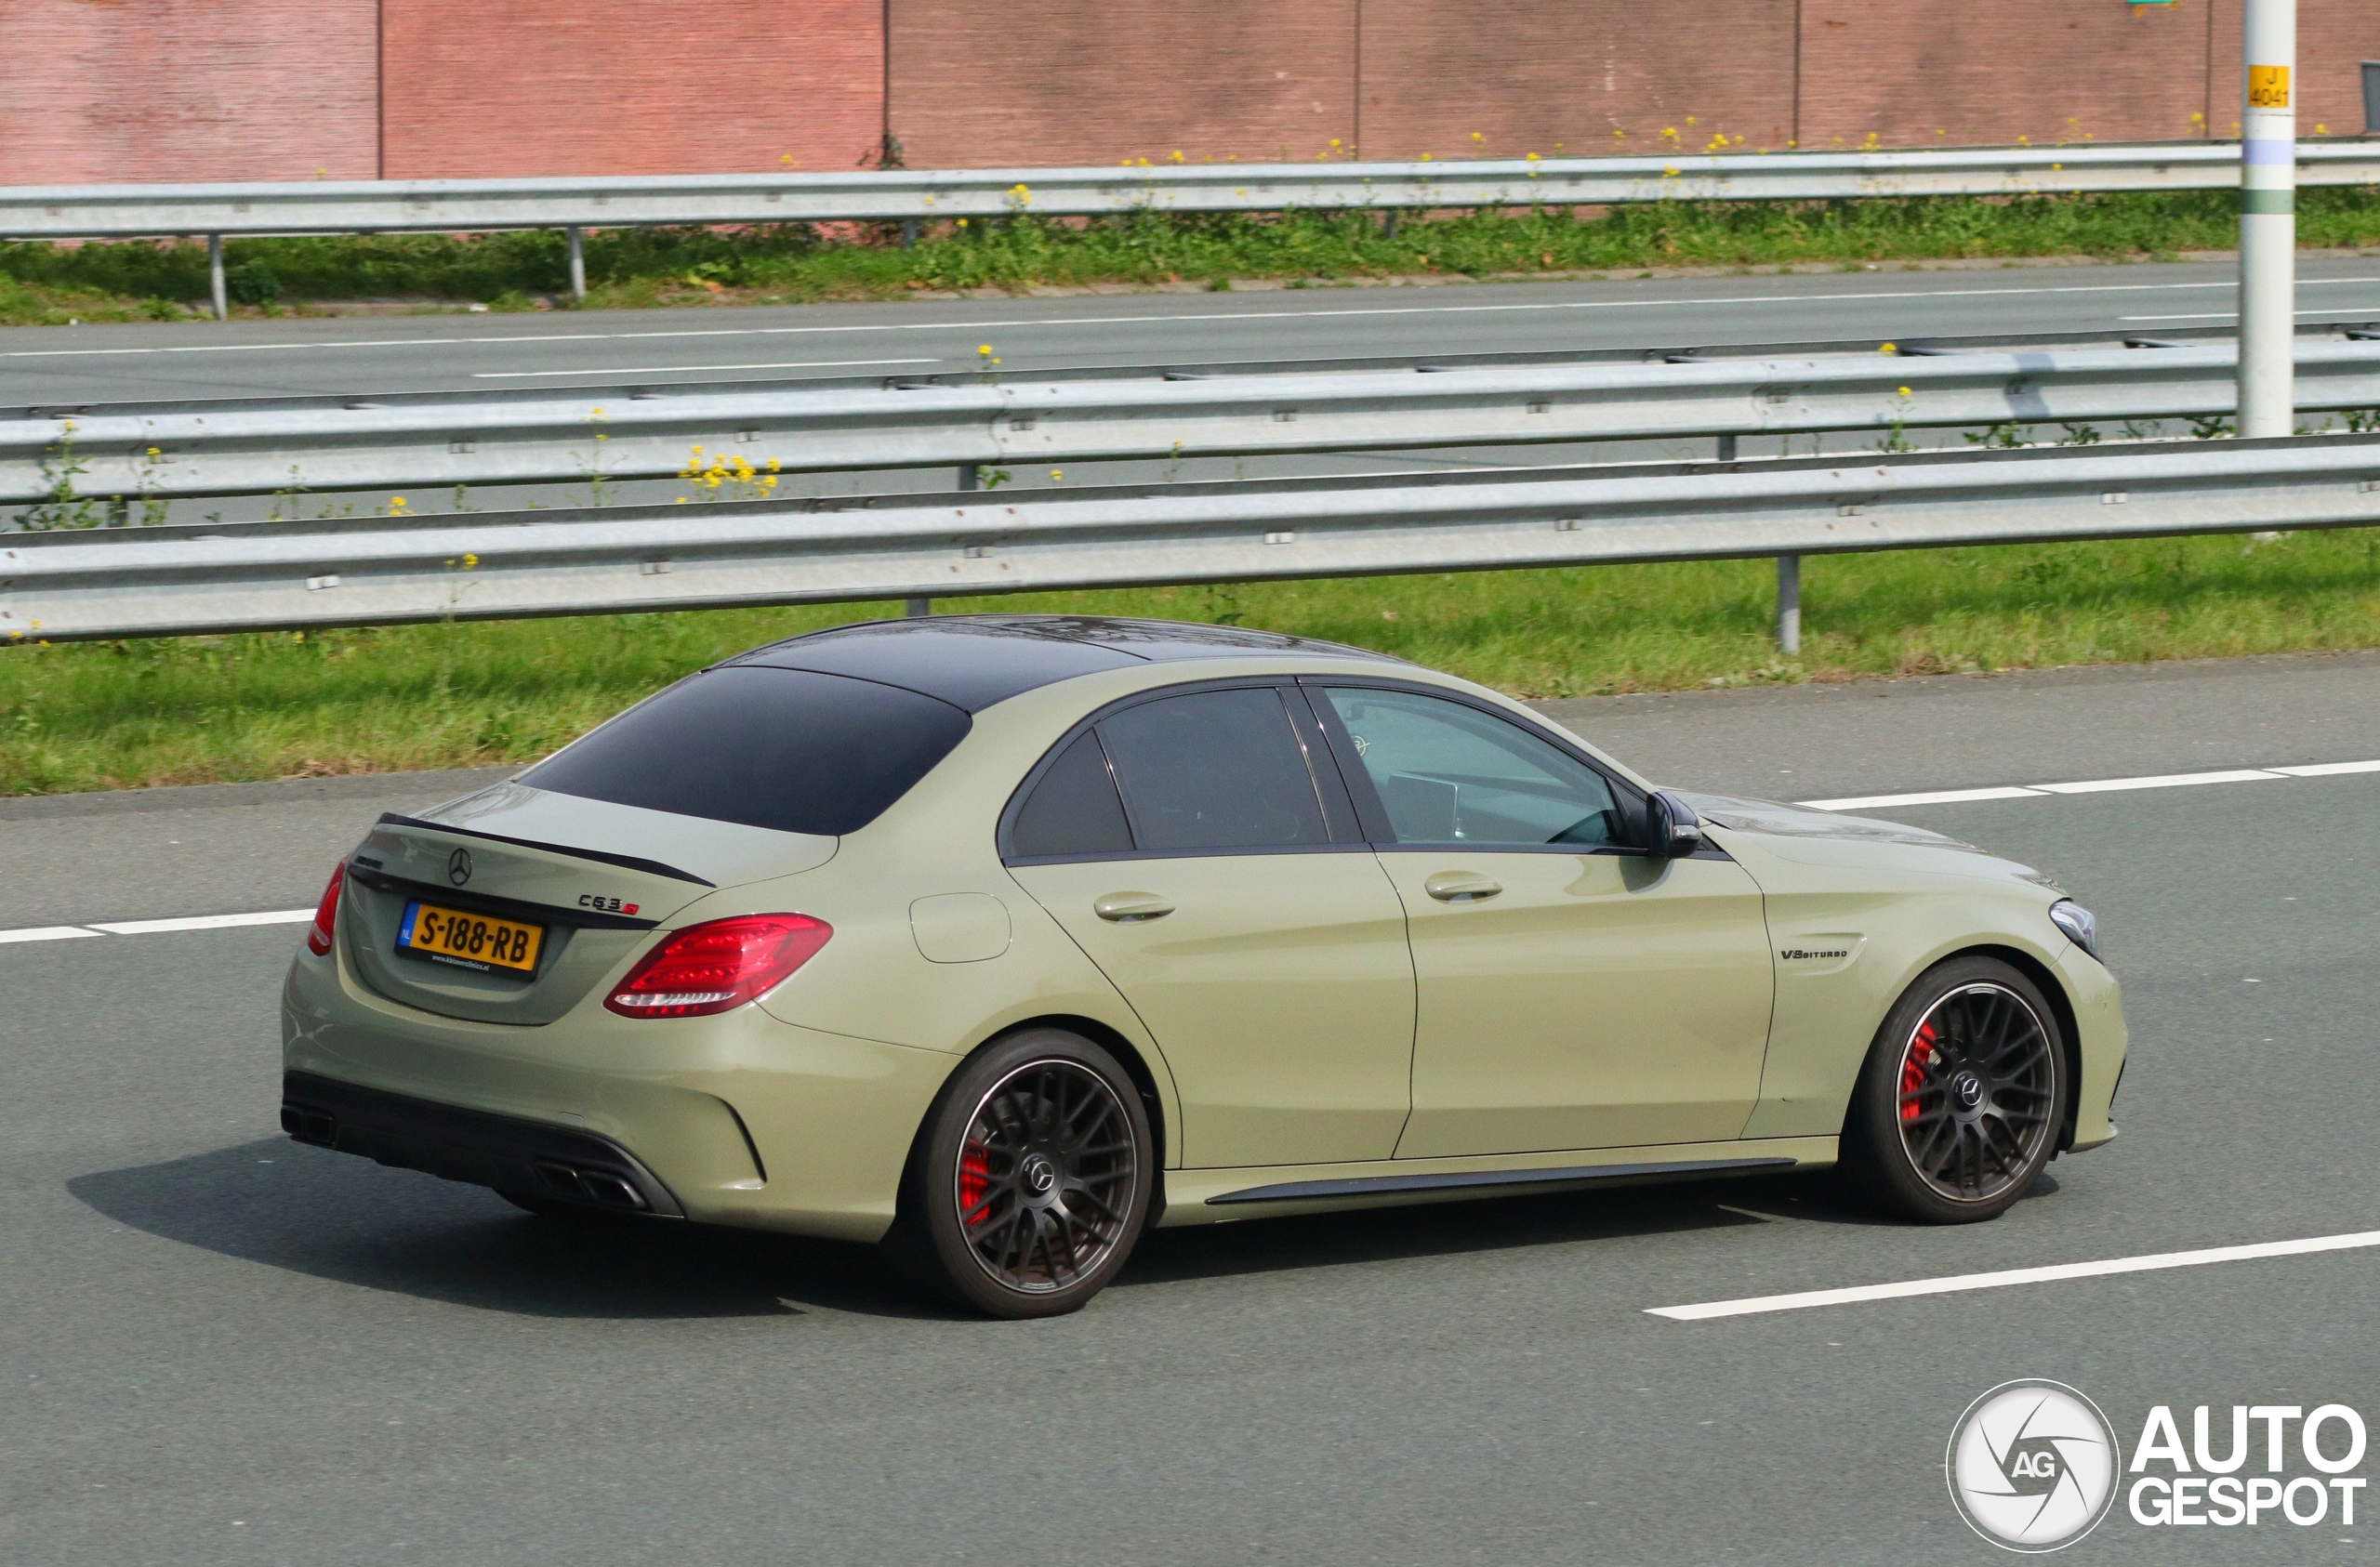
<point>524,1158</point>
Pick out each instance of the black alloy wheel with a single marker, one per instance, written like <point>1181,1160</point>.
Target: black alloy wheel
<point>1963,1096</point>
<point>1035,1175</point>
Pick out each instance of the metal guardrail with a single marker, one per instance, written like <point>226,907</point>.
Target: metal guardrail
<point>270,576</point>
<point>56,212</point>
<point>362,206</point>
<point>232,448</point>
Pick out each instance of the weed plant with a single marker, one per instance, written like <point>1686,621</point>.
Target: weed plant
<point>205,709</point>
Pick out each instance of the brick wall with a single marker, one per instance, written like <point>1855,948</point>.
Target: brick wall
<point>151,90</point>
<point>1072,83</point>
<point>1075,82</point>
<point>142,90</point>
<point>520,87</point>
<point>1585,76</point>
<point>2111,72</point>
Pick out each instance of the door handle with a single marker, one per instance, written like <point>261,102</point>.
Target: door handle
<point>1461,887</point>
<point>1131,908</point>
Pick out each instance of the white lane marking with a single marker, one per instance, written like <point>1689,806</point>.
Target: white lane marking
<point>2328,770</point>
<point>1937,797</point>
<point>44,933</point>
<point>687,369</point>
<point>2160,781</point>
<point>1024,322</point>
<point>2092,786</point>
<point>155,926</point>
<point>206,922</point>
<point>2213,315</point>
<point>1960,1281</point>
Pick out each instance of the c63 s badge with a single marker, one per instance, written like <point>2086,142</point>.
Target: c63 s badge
<point>602,904</point>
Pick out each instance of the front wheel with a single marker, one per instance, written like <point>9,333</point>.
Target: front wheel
<point>1959,1105</point>
<point>1033,1178</point>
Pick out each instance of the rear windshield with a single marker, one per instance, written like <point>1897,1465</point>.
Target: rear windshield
<point>778,748</point>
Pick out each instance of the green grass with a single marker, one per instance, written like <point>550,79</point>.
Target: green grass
<point>210,709</point>
<point>42,283</point>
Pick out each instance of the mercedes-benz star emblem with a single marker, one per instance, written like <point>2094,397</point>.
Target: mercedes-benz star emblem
<point>1041,1174</point>
<point>458,866</point>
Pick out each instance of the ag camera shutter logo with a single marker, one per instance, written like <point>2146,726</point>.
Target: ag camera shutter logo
<point>2033,1465</point>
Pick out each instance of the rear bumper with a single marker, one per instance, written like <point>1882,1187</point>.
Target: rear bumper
<point>737,1119</point>
<point>528,1158</point>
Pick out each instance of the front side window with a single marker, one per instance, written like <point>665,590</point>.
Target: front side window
<point>1446,774</point>
<point>1215,769</point>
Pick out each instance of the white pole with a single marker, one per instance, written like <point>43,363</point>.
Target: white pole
<point>577,265</point>
<point>214,277</point>
<point>1789,603</point>
<point>2268,219</point>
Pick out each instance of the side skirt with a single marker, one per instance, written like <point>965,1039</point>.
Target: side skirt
<point>1589,1175</point>
<point>1210,1196</point>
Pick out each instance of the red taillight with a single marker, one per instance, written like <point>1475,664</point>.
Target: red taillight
<point>719,966</point>
<point>318,938</point>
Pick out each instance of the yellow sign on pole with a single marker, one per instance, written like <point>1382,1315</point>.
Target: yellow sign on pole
<point>2267,87</point>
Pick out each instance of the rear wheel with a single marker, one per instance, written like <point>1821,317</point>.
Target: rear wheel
<point>1033,1178</point>
<point>1960,1102</point>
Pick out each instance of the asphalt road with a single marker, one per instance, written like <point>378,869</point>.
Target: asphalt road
<point>219,1347</point>
<point>48,365</point>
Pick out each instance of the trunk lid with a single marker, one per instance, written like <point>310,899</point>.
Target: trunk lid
<point>593,877</point>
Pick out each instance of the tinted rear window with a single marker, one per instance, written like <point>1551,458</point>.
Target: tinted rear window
<point>779,748</point>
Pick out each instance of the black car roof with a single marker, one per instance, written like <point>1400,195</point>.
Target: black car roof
<point>975,660</point>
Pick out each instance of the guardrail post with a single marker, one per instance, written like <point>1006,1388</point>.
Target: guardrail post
<point>2268,217</point>
<point>909,233</point>
<point>919,608</point>
<point>214,277</point>
<point>577,263</point>
<point>1789,603</point>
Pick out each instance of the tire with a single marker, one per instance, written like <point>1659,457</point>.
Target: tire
<point>1961,1098</point>
<point>1031,1180</point>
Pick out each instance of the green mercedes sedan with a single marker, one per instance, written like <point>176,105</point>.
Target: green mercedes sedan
<point>996,939</point>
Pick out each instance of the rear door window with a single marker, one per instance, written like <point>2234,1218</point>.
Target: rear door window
<point>1073,809</point>
<point>1215,769</point>
<point>786,749</point>
<point>1446,772</point>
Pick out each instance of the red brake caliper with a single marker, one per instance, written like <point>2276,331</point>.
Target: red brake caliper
<point>1913,1071</point>
<point>974,1181</point>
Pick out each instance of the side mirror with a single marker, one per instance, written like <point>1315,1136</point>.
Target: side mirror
<point>1672,830</point>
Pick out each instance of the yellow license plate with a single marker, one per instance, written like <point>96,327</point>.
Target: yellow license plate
<point>469,940</point>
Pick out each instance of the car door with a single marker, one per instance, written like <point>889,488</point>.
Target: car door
<point>1573,992</point>
<point>1187,842</point>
